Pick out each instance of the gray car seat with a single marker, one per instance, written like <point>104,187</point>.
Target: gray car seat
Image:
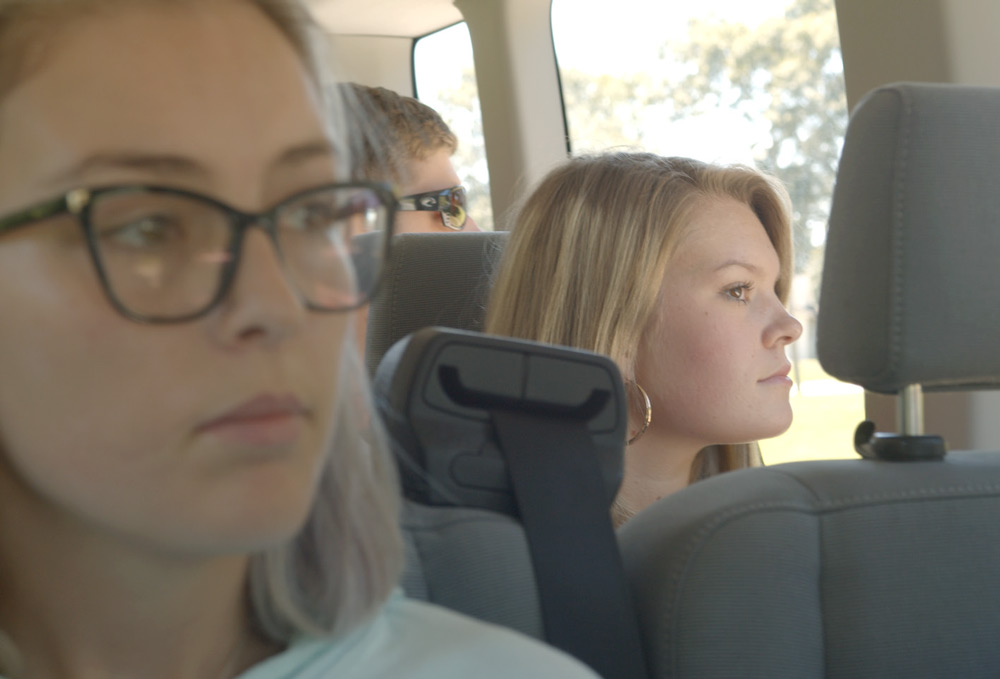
<point>468,559</point>
<point>546,565</point>
<point>431,279</point>
<point>455,556</point>
<point>527,431</point>
<point>880,567</point>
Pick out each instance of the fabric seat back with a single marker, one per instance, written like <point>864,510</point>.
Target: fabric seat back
<point>860,568</point>
<point>432,279</point>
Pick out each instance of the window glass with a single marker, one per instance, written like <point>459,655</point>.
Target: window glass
<point>727,81</point>
<point>445,79</point>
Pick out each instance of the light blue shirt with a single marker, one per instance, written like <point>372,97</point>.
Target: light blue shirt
<point>415,640</point>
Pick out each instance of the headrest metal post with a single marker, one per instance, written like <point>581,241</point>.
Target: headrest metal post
<point>910,410</point>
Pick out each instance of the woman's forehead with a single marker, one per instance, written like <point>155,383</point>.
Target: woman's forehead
<point>218,82</point>
<point>721,230</point>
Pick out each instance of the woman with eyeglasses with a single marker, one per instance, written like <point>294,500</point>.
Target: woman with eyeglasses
<point>183,489</point>
<point>680,272</point>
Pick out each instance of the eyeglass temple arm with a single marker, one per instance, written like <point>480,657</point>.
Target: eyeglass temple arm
<point>34,213</point>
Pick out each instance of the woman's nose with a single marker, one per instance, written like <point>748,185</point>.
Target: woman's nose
<point>784,330</point>
<point>261,300</point>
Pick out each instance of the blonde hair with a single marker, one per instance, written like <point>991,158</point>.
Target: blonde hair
<point>403,130</point>
<point>589,248</point>
<point>346,559</point>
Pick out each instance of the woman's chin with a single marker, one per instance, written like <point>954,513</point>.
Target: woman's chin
<point>776,426</point>
<point>248,519</point>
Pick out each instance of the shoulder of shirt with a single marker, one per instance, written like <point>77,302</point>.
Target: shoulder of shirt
<point>489,650</point>
<point>422,641</point>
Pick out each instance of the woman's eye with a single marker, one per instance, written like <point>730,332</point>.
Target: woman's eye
<point>318,215</point>
<point>739,293</point>
<point>150,231</point>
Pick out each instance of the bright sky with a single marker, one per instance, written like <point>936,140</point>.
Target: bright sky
<point>607,35</point>
<point>593,38</point>
<point>618,36</point>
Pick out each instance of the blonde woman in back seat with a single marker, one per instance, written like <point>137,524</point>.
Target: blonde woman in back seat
<point>184,492</point>
<point>679,271</point>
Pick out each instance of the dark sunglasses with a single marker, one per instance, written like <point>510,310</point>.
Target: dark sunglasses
<point>449,202</point>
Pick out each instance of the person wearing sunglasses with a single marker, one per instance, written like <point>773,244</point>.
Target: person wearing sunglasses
<point>185,487</point>
<point>448,206</point>
<point>409,145</point>
<point>413,152</point>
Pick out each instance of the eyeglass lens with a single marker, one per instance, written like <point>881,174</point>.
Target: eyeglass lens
<point>168,255</point>
<point>454,216</point>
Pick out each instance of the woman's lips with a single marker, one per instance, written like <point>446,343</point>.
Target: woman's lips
<point>779,377</point>
<point>266,420</point>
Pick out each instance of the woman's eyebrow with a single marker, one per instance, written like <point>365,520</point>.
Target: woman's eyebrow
<point>167,164</point>
<point>301,153</point>
<point>753,268</point>
<point>154,163</point>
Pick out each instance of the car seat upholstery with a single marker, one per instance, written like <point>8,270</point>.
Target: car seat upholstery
<point>860,568</point>
<point>487,563</point>
<point>439,279</point>
<point>468,559</point>
<point>510,453</point>
<point>473,561</point>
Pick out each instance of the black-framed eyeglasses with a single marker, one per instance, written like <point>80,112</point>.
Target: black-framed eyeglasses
<point>167,255</point>
<point>449,202</point>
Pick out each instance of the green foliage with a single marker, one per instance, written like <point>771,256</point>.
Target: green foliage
<point>461,109</point>
<point>603,110</point>
<point>785,73</point>
<point>791,65</point>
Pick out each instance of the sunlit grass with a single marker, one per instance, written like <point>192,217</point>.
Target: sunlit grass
<point>826,413</point>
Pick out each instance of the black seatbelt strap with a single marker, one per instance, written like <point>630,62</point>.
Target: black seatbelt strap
<point>586,604</point>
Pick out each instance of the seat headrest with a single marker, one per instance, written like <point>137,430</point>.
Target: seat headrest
<point>435,391</point>
<point>909,291</point>
<point>440,279</point>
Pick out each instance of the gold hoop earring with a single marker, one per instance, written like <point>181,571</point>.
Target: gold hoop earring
<point>648,419</point>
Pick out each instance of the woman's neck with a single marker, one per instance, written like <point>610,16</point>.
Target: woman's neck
<point>656,465</point>
<point>78,603</point>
